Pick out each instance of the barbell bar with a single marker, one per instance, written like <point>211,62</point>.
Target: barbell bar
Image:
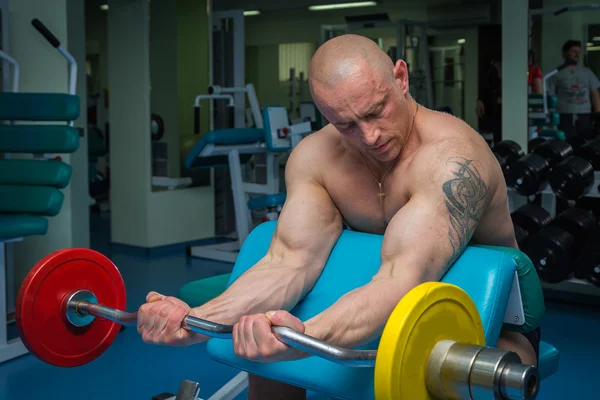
<point>69,309</point>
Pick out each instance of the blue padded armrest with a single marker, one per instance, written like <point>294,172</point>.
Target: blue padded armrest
<point>485,274</point>
<point>269,200</point>
<point>222,137</point>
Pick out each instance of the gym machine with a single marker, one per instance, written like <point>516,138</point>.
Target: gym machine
<point>30,188</point>
<point>453,356</point>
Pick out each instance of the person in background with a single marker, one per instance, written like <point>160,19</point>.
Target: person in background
<point>576,88</point>
<point>535,75</point>
<point>489,103</point>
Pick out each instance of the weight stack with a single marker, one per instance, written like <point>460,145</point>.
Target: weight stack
<point>555,249</point>
<point>529,174</point>
<point>528,220</point>
<point>589,263</point>
<point>507,152</point>
<point>574,177</point>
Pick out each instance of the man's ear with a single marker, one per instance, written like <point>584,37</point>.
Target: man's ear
<point>401,75</point>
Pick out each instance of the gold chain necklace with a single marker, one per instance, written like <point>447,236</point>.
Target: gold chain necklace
<point>381,193</point>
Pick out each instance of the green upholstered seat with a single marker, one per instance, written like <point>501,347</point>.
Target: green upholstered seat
<point>38,139</point>
<point>198,292</point>
<point>37,200</point>
<point>38,107</point>
<point>13,226</point>
<point>35,172</point>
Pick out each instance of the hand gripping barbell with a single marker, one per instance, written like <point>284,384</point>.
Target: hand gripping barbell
<point>432,347</point>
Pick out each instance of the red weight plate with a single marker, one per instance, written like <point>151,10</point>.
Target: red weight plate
<point>41,314</point>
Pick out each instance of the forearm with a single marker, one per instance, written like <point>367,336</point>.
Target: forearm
<point>595,101</point>
<point>360,316</point>
<point>537,86</point>
<point>262,288</point>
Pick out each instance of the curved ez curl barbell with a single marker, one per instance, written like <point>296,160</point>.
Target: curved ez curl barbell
<point>69,309</point>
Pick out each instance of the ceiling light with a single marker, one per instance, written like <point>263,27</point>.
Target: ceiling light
<point>462,41</point>
<point>596,38</point>
<point>338,6</point>
<point>251,13</point>
<point>104,7</point>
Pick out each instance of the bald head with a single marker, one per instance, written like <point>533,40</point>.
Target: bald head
<point>348,57</point>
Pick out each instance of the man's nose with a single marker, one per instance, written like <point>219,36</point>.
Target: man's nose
<point>370,134</point>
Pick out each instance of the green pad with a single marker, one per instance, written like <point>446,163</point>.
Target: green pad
<point>40,200</point>
<point>35,172</point>
<point>553,120</point>
<point>38,107</point>
<point>554,133</point>
<point>38,139</point>
<point>202,291</point>
<point>531,290</point>
<point>14,226</point>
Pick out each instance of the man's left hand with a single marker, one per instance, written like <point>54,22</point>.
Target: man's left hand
<point>254,340</point>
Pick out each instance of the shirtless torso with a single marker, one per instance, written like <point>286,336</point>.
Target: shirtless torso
<point>354,190</point>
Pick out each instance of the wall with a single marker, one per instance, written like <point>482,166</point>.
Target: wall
<point>514,71</point>
<point>163,75</point>
<point>192,66</point>
<point>129,82</point>
<point>558,29</point>
<point>139,216</point>
<point>96,42</point>
<point>43,69</point>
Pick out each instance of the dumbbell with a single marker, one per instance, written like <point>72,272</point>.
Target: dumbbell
<point>574,176</point>
<point>528,220</point>
<point>555,248</point>
<point>507,152</point>
<point>529,174</point>
<point>533,143</point>
<point>589,263</point>
<point>432,346</point>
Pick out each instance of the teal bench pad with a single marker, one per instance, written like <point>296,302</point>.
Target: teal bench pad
<point>38,139</point>
<point>37,200</point>
<point>485,274</point>
<point>222,137</point>
<point>270,200</point>
<point>38,107</point>
<point>35,172</point>
<point>14,226</point>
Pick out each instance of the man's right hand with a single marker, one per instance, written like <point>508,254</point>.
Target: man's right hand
<point>159,321</point>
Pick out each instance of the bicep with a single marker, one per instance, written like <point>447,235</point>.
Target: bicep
<point>433,228</point>
<point>309,224</point>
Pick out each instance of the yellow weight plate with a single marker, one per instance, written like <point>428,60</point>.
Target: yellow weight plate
<point>430,312</point>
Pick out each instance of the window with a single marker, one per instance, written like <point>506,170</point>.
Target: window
<point>294,55</point>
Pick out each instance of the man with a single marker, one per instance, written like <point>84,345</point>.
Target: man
<point>534,76</point>
<point>577,90</point>
<point>385,165</point>
<point>489,102</point>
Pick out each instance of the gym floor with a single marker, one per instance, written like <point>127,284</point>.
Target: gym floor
<point>131,369</point>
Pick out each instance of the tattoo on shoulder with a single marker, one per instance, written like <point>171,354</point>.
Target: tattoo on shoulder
<point>466,198</point>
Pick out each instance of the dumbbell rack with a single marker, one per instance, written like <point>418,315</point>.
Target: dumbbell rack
<point>572,285</point>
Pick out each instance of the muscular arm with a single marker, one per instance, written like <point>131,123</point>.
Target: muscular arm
<point>308,227</point>
<point>595,95</point>
<point>422,239</point>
